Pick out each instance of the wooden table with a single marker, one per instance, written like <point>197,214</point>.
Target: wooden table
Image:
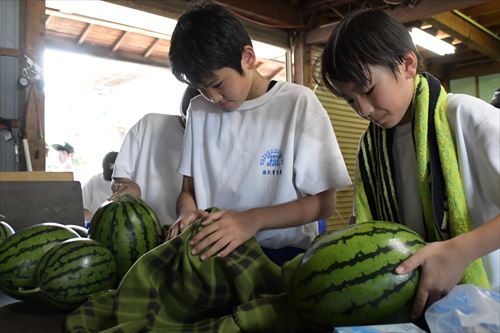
<point>20,317</point>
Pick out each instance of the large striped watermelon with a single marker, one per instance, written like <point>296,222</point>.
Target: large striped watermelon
<point>5,231</point>
<point>347,277</point>
<point>21,252</point>
<point>128,227</point>
<point>71,271</point>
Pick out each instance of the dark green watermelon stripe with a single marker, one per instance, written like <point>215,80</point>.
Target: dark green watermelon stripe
<point>67,289</point>
<point>385,295</point>
<point>356,260</point>
<point>61,257</point>
<point>317,297</point>
<point>376,230</point>
<point>35,245</point>
<point>143,213</point>
<point>69,271</point>
<point>132,234</point>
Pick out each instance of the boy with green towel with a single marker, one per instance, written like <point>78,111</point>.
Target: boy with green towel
<point>429,160</point>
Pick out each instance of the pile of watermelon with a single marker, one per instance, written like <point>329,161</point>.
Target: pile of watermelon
<point>61,265</point>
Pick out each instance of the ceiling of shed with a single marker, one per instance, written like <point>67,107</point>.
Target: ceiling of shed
<point>473,26</point>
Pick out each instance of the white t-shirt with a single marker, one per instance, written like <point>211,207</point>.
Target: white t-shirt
<point>150,155</point>
<point>272,150</point>
<point>95,192</point>
<point>476,128</point>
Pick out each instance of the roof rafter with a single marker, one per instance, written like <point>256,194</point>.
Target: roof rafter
<point>468,33</point>
<point>425,8</point>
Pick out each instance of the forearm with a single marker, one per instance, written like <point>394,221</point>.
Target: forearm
<point>295,213</point>
<point>479,241</point>
<point>186,201</point>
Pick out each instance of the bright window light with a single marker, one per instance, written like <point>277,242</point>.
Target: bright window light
<point>430,42</point>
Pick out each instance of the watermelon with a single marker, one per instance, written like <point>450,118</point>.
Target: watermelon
<point>347,277</point>
<point>71,271</point>
<point>21,252</point>
<point>5,231</point>
<point>128,227</point>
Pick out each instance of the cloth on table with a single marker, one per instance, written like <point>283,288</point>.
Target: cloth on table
<point>170,290</point>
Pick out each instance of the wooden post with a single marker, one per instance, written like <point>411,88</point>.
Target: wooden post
<point>32,99</point>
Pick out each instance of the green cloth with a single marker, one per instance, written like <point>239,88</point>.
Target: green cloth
<point>170,290</point>
<point>443,199</point>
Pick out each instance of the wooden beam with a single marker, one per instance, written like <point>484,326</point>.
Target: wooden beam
<point>485,67</point>
<point>467,33</point>
<point>108,24</point>
<point>319,35</point>
<point>32,19</point>
<point>7,52</point>
<point>99,51</point>
<point>423,9</point>
<point>48,20</point>
<point>175,8</point>
<point>119,41</point>
<point>276,13</point>
<point>152,48</point>
<point>426,8</point>
<point>274,73</point>
<point>85,33</point>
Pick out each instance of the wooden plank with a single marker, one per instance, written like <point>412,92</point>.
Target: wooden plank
<point>100,51</point>
<point>35,176</point>
<point>119,41</point>
<point>423,9</point>
<point>152,48</point>
<point>426,8</point>
<point>32,19</point>
<point>7,52</point>
<point>85,33</point>
<point>108,24</point>
<point>274,14</point>
<point>469,34</point>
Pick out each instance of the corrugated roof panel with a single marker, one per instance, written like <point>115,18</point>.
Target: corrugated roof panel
<point>348,128</point>
<point>9,24</point>
<point>8,108</point>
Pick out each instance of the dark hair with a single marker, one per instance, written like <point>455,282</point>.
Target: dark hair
<point>189,93</point>
<point>495,100</point>
<point>206,38</point>
<point>364,38</point>
<point>108,165</point>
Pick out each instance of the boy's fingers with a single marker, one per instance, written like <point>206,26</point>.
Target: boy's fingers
<point>212,217</point>
<point>229,248</point>
<point>204,238</point>
<point>216,247</point>
<point>419,302</point>
<point>409,264</point>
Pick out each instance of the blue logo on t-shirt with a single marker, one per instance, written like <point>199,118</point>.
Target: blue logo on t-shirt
<point>271,162</point>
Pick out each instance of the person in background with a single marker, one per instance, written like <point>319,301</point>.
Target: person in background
<point>97,190</point>
<point>146,166</point>
<point>495,100</point>
<point>65,155</point>
<point>437,166</point>
<point>262,151</point>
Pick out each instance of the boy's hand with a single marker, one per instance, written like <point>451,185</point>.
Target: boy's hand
<point>183,222</point>
<point>442,268</point>
<point>124,185</point>
<point>230,231</point>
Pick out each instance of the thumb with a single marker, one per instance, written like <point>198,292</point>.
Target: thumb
<point>409,264</point>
